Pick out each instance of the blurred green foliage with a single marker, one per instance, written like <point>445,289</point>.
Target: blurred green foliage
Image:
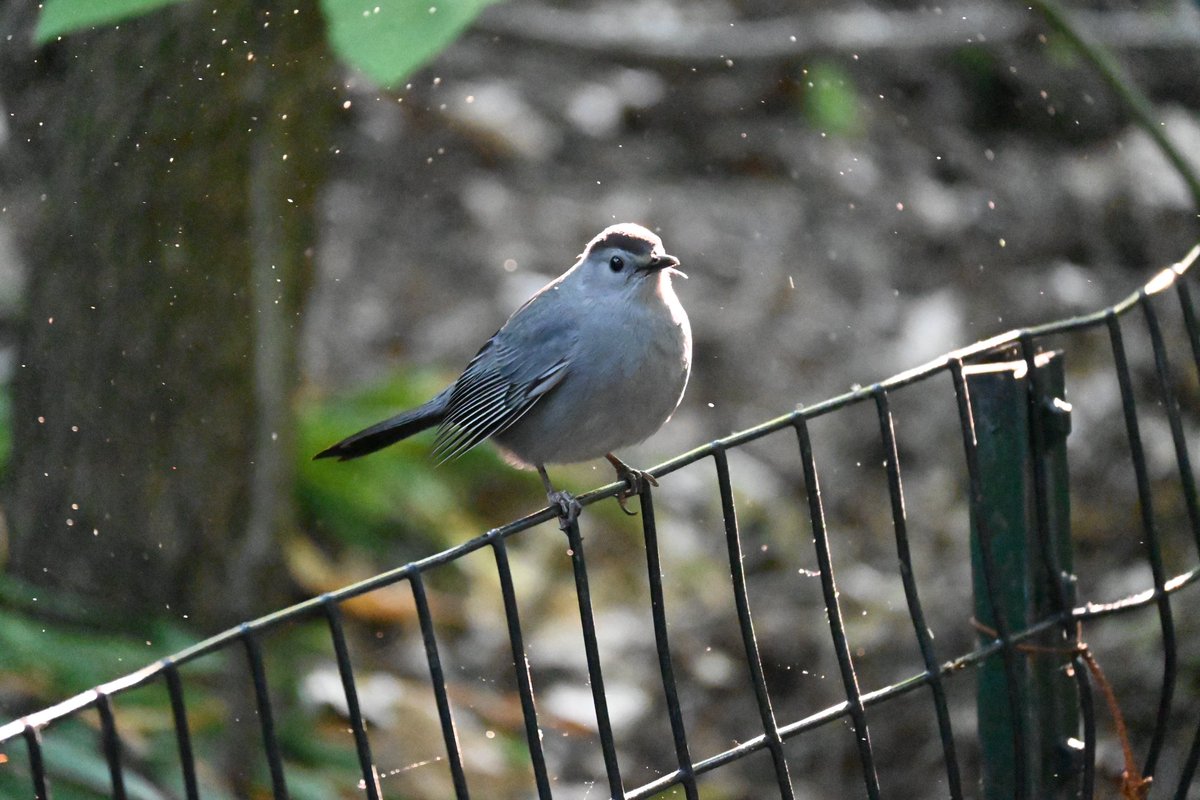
<point>831,101</point>
<point>399,497</point>
<point>46,663</point>
<point>58,660</point>
<point>79,769</point>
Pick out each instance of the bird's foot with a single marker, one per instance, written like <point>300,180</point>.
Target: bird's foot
<point>568,507</point>
<point>635,480</point>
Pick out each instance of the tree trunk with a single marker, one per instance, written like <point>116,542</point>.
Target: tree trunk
<point>177,159</point>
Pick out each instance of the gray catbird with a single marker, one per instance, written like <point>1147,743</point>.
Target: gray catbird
<point>597,360</point>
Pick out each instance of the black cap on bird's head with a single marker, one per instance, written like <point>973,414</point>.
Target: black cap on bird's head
<point>634,239</point>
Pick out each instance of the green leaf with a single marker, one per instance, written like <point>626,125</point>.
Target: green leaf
<point>60,17</point>
<point>389,39</point>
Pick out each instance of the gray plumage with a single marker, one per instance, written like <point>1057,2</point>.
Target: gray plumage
<point>595,361</point>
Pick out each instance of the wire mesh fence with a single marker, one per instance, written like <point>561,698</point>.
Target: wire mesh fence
<point>1045,708</point>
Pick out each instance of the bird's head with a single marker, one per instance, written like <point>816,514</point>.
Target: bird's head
<point>627,257</point>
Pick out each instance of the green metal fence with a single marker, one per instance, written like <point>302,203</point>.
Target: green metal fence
<point>1040,691</point>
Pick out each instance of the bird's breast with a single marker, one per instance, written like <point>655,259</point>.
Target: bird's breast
<point>624,380</point>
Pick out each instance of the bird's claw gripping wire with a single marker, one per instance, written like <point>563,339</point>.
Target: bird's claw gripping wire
<point>568,507</point>
<point>634,479</point>
<point>563,501</point>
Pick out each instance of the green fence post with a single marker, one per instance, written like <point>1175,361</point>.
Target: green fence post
<point>1001,406</point>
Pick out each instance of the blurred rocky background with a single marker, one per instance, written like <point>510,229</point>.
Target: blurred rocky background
<point>853,189</point>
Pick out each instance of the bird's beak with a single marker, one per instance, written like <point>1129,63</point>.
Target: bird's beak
<point>662,262</point>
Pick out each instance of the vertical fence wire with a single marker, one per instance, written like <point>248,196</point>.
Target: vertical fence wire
<point>1008,652</point>
<point>833,612</point>
<point>362,746</point>
<point>437,679</point>
<point>733,542</point>
<point>112,745</point>
<point>1189,770</point>
<point>591,649</point>
<point>1087,716</point>
<point>1055,577</point>
<point>183,736</point>
<point>516,640</point>
<point>1165,380</point>
<point>266,719</point>
<point>1189,321</point>
<point>1166,389</point>
<point>1083,761</point>
<point>658,612</point>
<point>37,766</point>
<point>1150,532</point>
<point>1193,333</point>
<point>916,613</point>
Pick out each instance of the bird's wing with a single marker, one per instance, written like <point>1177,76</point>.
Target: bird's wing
<point>526,358</point>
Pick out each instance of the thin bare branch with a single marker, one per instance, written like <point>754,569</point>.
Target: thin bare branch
<point>657,37</point>
<point>1139,106</point>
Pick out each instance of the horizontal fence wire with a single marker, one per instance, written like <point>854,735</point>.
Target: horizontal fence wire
<point>689,770</point>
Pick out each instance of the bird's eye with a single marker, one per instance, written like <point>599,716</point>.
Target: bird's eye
<point>617,263</point>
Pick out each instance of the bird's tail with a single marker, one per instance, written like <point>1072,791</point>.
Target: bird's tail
<point>390,431</point>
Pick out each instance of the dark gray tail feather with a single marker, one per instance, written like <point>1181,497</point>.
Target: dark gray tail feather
<point>390,431</point>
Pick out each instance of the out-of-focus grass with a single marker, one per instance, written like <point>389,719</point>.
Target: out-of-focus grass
<point>56,660</point>
<point>46,662</point>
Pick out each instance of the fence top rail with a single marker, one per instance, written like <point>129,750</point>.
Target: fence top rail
<point>1162,281</point>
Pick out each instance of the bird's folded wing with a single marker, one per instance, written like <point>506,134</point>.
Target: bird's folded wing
<point>508,375</point>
